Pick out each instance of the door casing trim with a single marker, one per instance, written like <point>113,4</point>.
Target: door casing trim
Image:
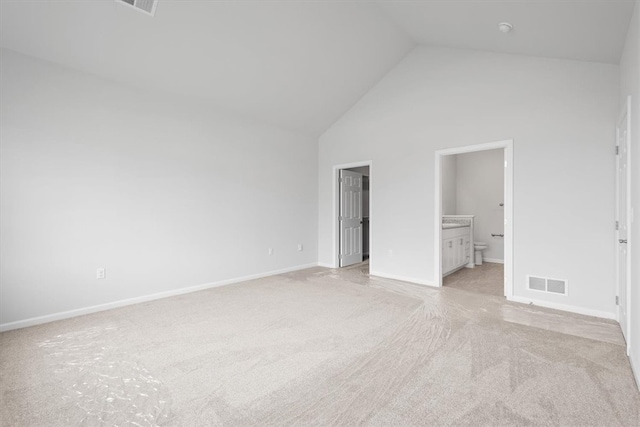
<point>507,145</point>
<point>336,209</point>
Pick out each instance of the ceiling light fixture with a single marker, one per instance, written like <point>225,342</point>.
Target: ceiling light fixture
<point>505,27</point>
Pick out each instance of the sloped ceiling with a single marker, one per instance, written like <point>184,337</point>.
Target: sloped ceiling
<point>295,64</point>
<point>586,30</point>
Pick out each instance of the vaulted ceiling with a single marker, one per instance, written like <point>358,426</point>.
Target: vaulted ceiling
<point>296,64</point>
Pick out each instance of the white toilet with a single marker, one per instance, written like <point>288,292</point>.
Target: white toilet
<point>478,247</point>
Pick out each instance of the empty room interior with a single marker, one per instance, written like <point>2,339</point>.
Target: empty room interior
<point>319,213</point>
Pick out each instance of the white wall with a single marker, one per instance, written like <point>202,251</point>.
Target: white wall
<point>165,194</point>
<point>449,184</point>
<point>479,192</point>
<point>561,115</point>
<point>630,85</point>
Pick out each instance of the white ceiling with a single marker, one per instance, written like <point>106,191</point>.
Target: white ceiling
<point>297,64</point>
<point>293,64</point>
<point>587,30</point>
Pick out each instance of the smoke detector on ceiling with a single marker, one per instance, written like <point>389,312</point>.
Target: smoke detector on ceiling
<point>505,27</point>
<point>144,6</point>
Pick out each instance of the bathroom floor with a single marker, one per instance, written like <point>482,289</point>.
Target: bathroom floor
<point>487,278</point>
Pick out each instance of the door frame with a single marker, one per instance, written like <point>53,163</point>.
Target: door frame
<point>336,208</point>
<point>625,111</point>
<point>507,146</point>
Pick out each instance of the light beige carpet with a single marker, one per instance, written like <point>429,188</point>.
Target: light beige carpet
<point>319,347</point>
<point>487,278</point>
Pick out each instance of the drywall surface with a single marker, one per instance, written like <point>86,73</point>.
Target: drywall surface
<point>449,176</point>
<point>296,64</point>
<point>561,115</point>
<point>630,85</point>
<point>480,191</point>
<point>163,193</point>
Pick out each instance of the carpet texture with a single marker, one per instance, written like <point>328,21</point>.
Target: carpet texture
<point>319,347</point>
<point>487,278</point>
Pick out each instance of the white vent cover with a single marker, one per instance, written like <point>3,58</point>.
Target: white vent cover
<point>144,6</point>
<point>545,284</point>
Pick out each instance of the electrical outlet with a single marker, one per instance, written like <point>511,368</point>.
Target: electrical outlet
<point>101,273</point>
<point>270,251</point>
<point>300,247</point>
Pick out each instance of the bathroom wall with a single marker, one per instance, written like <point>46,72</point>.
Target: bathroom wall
<point>479,192</point>
<point>448,170</point>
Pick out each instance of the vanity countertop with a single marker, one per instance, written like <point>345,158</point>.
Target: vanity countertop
<point>448,225</point>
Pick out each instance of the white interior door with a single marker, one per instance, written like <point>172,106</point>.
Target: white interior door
<point>350,218</point>
<point>622,206</point>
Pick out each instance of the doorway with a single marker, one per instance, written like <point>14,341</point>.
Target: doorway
<point>458,245</point>
<point>352,213</point>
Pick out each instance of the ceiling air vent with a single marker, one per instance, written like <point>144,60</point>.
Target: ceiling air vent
<point>543,284</point>
<point>144,6</point>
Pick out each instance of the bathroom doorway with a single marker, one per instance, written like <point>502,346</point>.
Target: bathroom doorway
<point>473,218</point>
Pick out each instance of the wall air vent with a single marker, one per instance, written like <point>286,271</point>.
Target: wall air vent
<point>544,284</point>
<point>144,6</point>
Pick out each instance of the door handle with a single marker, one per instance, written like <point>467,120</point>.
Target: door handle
<point>622,240</point>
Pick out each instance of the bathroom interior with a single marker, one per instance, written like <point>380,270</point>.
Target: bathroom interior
<point>473,221</point>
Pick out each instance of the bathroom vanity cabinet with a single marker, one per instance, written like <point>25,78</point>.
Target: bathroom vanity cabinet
<point>456,248</point>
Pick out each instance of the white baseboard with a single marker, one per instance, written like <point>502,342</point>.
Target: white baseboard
<point>402,278</point>
<point>322,264</point>
<point>565,307</point>
<point>493,260</point>
<point>122,303</point>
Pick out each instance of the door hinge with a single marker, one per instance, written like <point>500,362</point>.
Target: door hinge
<point>340,256</point>
<point>340,218</point>
<point>617,225</point>
<point>339,179</point>
<point>617,300</point>
<point>617,150</point>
